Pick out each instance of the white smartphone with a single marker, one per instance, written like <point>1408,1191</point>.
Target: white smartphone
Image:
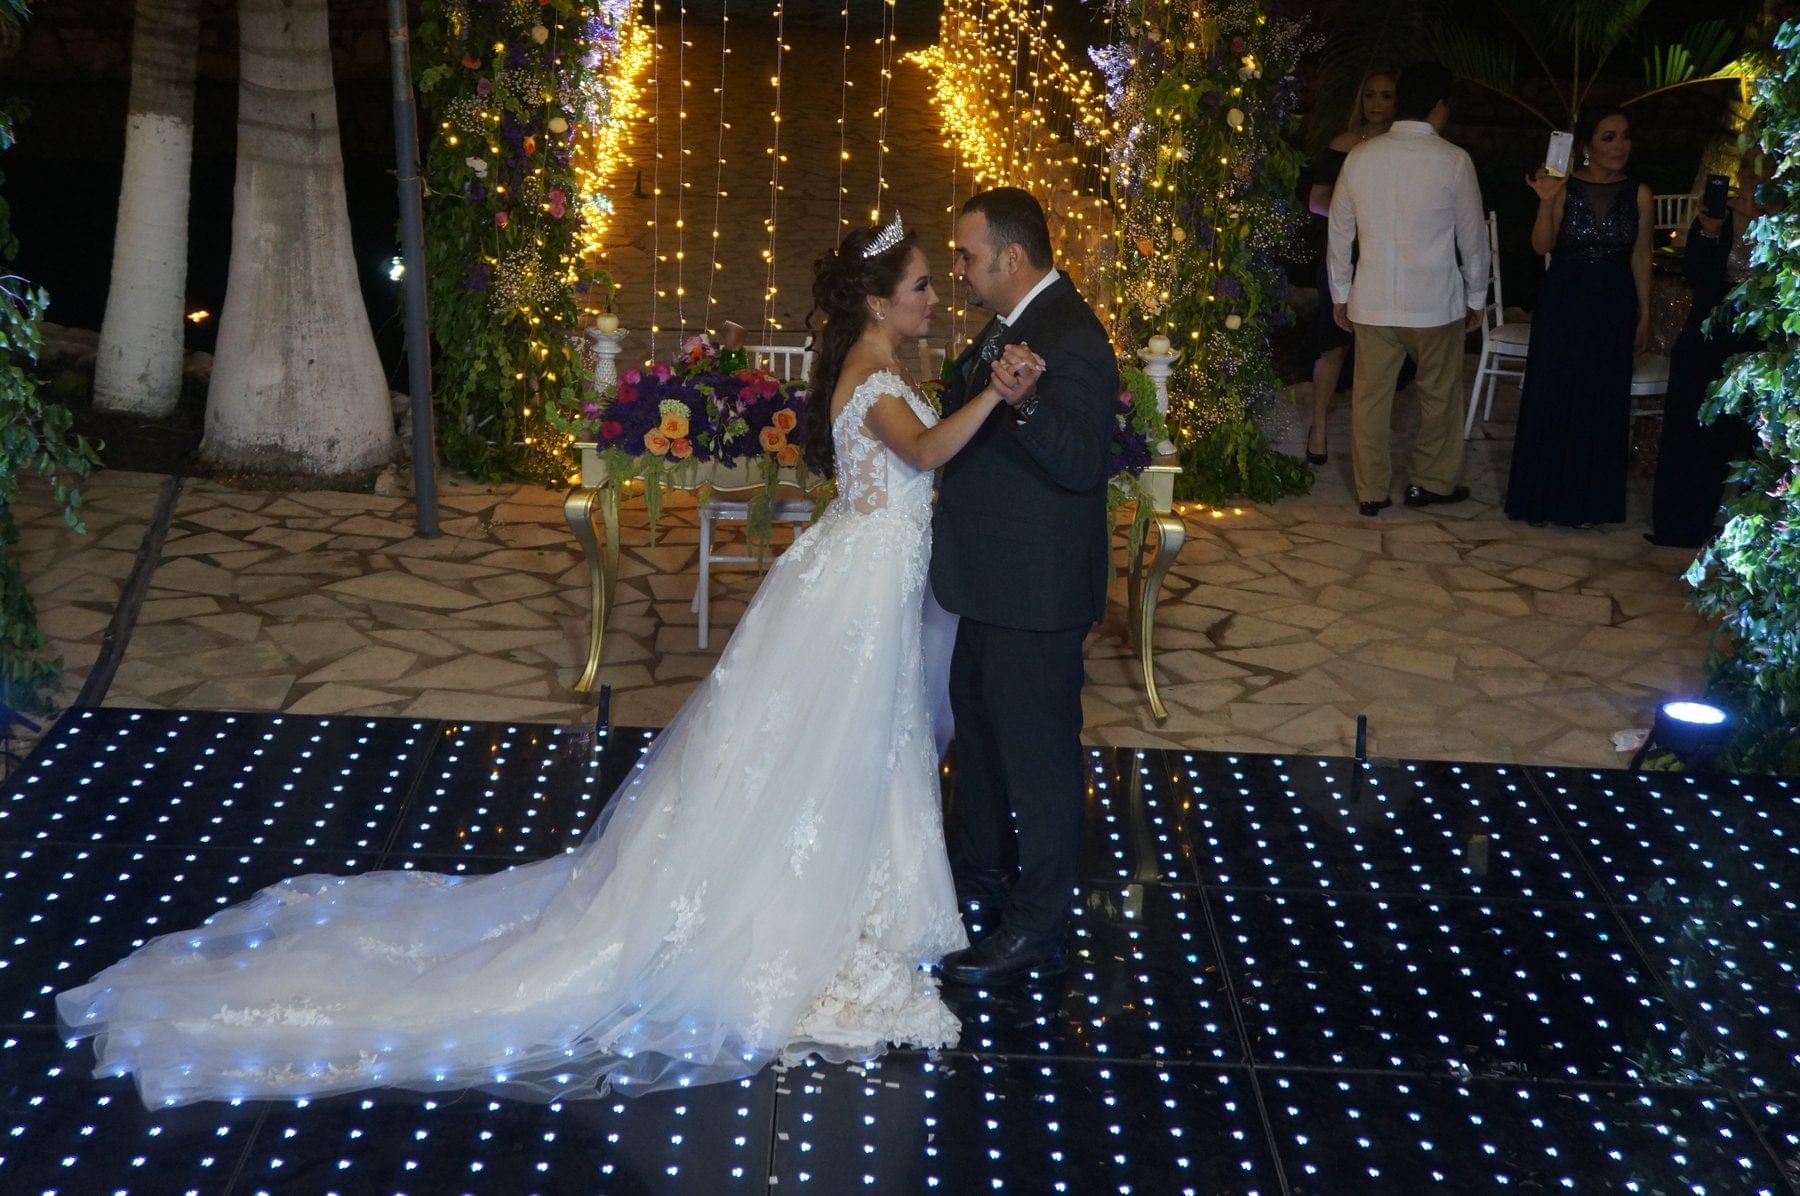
<point>1562,149</point>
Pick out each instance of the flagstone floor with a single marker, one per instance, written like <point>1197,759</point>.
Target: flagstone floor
<point>1460,634</point>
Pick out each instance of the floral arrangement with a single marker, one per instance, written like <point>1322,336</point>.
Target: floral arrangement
<point>656,420</point>
<point>1205,182</point>
<point>1137,432</point>
<point>518,94</point>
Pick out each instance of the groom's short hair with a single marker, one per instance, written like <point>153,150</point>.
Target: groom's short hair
<point>1014,217</point>
<point>1420,88</point>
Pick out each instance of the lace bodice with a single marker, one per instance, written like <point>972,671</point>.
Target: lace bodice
<point>1600,221</point>
<point>870,476</point>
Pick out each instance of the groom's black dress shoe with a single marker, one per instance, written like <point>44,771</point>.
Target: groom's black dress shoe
<point>1005,955</point>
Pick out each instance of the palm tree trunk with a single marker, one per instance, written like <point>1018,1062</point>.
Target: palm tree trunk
<point>139,365</point>
<point>297,387</point>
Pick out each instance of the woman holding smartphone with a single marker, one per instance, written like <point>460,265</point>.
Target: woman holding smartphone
<point>1694,457</point>
<point>1570,458</point>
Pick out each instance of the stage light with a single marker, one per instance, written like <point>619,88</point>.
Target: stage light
<point>1692,731</point>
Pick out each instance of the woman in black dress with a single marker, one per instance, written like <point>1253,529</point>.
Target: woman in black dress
<point>1373,116</point>
<point>1694,457</point>
<point>1569,461</point>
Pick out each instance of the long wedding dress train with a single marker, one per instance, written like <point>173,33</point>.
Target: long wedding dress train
<point>762,887</point>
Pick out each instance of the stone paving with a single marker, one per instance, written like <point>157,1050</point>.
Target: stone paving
<point>1460,634</point>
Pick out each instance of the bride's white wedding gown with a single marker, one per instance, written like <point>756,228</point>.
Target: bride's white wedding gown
<point>764,886</point>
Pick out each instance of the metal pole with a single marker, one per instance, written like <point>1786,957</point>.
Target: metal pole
<point>412,254</point>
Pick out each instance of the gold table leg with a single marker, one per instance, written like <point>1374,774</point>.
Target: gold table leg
<point>1142,591</point>
<point>602,557</point>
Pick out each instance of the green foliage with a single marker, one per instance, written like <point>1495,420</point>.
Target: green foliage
<point>1206,194</point>
<point>1702,51</point>
<point>1232,461</point>
<point>1749,577</point>
<point>34,441</point>
<point>503,221</point>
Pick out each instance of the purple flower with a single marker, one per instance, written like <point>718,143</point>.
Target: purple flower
<point>1212,99</point>
<point>476,275</point>
<point>483,87</point>
<point>1227,287</point>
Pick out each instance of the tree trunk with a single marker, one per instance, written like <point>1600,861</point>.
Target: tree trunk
<point>139,365</point>
<point>297,387</point>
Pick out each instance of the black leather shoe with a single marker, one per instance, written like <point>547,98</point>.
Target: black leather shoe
<point>1418,496</point>
<point>1003,956</point>
<point>1372,509</point>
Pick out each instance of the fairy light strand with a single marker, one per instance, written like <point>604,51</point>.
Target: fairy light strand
<point>769,288</point>
<point>843,122</point>
<point>712,275</point>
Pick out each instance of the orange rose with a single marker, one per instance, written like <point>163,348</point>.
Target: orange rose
<point>788,456</point>
<point>673,426</point>
<point>681,448</point>
<point>772,440</point>
<point>785,420</point>
<point>656,442</point>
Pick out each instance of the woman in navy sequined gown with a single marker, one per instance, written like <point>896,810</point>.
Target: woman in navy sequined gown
<point>1569,461</point>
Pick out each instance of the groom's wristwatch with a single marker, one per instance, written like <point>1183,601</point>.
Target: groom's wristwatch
<point>1026,408</point>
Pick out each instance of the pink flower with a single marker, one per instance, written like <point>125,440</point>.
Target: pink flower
<point>557,200</point>
<point>612,429</point>
<point>662,372</point>
<point>1125,398</point>
<point>1237,45</point>
<point>590,410</point>
<point>483,87</point>
<point>499,219</point>
<point>627,392</point>
<point>631,377</point>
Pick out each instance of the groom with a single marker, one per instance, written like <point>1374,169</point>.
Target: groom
<point>1019,545</point>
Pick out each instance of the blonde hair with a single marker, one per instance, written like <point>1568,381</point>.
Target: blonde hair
<point>1357,121</point>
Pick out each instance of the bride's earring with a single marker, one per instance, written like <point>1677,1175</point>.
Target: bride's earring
<point>880,315</point>
<point>1584,157</point>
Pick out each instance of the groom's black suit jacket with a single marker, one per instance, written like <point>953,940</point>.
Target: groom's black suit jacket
<point>1020,535</point>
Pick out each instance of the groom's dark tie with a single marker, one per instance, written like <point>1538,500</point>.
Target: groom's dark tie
<point>986,351</point>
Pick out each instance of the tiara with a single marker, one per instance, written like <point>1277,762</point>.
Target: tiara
<point>887,238</point>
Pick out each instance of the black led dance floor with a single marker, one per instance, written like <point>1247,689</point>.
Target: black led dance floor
<point>1289,976</point>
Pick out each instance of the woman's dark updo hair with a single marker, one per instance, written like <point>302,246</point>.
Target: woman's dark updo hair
<point>843,280</point>
<point>1589,124</point>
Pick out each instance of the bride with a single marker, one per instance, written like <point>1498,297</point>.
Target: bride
<point>763,887</point>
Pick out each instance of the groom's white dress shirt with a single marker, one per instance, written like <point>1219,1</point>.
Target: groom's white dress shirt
<point>1012,317</point>
<point>1409,200</point>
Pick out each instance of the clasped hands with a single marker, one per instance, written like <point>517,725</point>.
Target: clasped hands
<point>1016,374</point>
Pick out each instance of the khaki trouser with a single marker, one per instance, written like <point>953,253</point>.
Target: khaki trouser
<point>1437,454</point>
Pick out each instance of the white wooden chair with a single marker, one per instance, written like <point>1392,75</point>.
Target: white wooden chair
<point>1649,385</point>
<point>1504,346</point>
<point>729,500</point>
<point>790,363</point>
<point>1672,213</point>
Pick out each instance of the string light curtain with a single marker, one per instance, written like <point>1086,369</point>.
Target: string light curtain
<point>1018,108</point>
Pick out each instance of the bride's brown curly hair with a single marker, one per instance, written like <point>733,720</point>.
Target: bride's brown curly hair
<point>842,282</point>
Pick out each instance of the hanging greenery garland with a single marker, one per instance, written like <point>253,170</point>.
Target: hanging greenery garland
<point>1204,187</point>
<point>1749,576</point>
<point>525,101</point>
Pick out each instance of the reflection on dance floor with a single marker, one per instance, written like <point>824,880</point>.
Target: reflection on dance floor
<point>1287,975</point>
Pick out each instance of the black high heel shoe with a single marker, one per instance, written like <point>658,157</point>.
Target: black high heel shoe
<point>1313,458</point>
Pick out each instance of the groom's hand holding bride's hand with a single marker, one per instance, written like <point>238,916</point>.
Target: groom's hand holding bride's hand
<point>1016,374</point>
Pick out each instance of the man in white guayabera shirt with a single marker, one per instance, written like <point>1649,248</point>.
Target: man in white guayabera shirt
<point>1408,203</point>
